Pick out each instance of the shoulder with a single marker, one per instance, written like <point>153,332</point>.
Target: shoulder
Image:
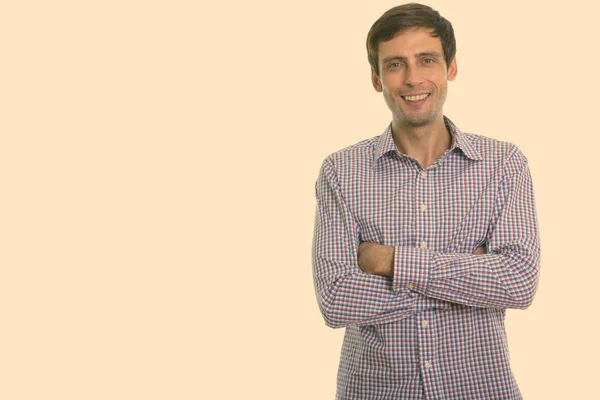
<point>358,154</point>
<point>494,150</point>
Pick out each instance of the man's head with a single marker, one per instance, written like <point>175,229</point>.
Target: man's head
<point>412,55</point>
<point>394,21</point>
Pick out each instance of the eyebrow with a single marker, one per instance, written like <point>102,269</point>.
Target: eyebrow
<point>421,54</point>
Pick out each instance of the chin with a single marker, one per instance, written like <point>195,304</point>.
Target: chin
<point>416,122</point>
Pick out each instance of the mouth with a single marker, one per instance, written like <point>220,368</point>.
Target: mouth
<point>417,97</point>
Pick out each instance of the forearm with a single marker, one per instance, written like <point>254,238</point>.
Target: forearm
<point>477,280</point>
<point>503,278</point>
<point>358,299</point>
<point>349,296</point>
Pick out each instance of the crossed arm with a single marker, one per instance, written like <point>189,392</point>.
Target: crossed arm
<point>369,283</point>
<point>378,259</point>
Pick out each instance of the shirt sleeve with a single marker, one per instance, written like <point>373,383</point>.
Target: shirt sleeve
<point>505,277</point>
<point>347,295</point>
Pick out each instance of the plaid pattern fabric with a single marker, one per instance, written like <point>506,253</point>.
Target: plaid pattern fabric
<point>436,330</point>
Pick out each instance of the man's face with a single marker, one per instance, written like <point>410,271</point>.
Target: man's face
<point>413,77</point>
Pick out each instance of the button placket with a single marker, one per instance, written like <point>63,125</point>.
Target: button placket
<point>428,350</point>
<point>421,201</point>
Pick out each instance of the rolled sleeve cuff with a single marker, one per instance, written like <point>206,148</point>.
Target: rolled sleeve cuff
<point>411,269</point>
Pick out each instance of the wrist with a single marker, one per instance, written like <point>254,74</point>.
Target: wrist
<point>387,262</point>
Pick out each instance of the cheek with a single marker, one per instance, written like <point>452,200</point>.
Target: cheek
<point>439,79</point>
<point>391,96</point>
<point>433,75</point>
<point>387,91</point>
<point>390,100</point>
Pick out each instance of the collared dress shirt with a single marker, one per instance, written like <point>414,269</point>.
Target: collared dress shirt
<point>436,329</point>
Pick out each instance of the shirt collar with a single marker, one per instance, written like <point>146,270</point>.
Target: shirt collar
<point>460,140</point>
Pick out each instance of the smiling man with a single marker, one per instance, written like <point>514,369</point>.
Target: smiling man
<point>424,235</point>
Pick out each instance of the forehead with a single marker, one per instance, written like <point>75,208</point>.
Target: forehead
<point>411,41</point>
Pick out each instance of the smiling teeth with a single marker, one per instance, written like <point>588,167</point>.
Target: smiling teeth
<point>416,98</point>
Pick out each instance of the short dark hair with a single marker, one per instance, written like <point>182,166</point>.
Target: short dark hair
<point>394,21</point>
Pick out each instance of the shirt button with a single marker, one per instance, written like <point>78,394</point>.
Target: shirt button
<point>423,174</point>
<point>410,285</point>
<point>423,207</point>
<point>427,365</point>
<point>425,323</point>
<point>423,244</point>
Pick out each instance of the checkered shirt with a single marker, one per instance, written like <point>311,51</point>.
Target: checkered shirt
<point>436,330</point>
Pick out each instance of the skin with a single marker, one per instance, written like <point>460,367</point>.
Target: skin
<point>412,63</point>
<point>378,259</point>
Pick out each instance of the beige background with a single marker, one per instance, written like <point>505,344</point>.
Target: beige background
<point>157,166</point>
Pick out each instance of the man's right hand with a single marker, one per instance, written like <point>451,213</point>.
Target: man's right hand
<point>480,250</point>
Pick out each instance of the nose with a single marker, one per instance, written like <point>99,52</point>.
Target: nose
<point>412,77</point>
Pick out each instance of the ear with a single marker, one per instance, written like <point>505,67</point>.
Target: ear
<point>452,69</point>
<point>376,81</point>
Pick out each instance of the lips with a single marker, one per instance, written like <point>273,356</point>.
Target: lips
<point>417,97</point>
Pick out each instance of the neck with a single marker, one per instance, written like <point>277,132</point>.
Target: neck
<point>423,143</point>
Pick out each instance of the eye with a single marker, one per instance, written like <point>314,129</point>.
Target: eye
<point>428,60</point>
<point>394,65</point>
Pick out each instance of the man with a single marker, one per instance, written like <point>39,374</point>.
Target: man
<point>424,235</point>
